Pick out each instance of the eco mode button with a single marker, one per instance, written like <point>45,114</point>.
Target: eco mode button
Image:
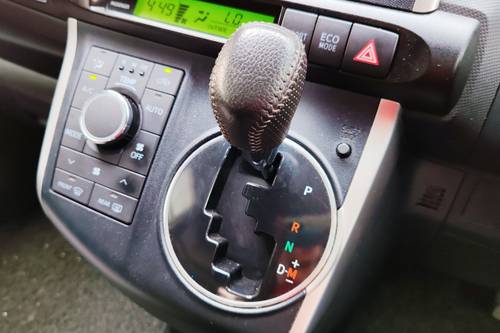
<point>370,51</point>
<point>329,41</point>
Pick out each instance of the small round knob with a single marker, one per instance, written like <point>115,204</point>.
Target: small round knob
<point>109,118</point>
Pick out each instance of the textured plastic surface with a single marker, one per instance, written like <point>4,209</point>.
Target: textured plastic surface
<point>430,66</point>
<point>399,4</point>
<point>487,155</point>
<point>454,136</point>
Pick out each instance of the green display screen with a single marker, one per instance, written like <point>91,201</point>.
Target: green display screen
<point>197,15</point>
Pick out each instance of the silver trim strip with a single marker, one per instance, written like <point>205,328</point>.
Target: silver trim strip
<point>55,110</point>
<point>380,144</point>
<point>425,6</point>
<point>420,6</point>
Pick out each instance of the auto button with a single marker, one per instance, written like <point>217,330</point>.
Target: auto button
<point>155,110</point>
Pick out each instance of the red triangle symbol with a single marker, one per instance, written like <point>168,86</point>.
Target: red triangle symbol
<point>368,54</point>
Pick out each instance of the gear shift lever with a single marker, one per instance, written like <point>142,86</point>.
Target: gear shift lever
<point>258,240</point>
<point>255,87</point>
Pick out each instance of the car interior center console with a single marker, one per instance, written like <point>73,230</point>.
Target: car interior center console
<point>238,187</point>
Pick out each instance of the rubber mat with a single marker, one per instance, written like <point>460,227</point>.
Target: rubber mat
<point>45,286</point>
<point>408,300</point>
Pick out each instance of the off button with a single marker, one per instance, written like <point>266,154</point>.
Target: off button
<point>329,41</point>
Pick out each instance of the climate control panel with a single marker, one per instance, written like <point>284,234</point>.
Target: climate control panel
<point>117,116</point>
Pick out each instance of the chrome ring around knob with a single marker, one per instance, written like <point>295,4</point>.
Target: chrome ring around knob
<point>108,118</point>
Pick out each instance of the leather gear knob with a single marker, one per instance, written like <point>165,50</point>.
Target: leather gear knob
<point>256,85</point>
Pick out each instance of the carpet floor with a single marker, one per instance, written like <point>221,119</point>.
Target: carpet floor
<point>46,286</point>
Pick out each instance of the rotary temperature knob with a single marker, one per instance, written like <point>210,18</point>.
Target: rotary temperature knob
<point>109,119</point>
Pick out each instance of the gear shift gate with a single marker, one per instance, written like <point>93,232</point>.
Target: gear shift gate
<point>239,237</point>
<point>241,273</point>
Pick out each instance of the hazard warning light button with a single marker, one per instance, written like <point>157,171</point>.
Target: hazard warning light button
<point>370,51</point>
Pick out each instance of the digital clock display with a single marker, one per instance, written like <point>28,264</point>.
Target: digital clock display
<point>196,15</point>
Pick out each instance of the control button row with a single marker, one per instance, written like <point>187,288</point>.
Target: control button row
<point>98,171</point>
<point>156,108</point>
<point>156,100</point>
<point>133,74</point>
<point>140,152</point>
<point>155,85</point>
<point>137,155</point>
<point>354,48</point>
<point>98,197</point>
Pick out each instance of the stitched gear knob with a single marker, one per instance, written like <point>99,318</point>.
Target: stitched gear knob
<point>256,85</point>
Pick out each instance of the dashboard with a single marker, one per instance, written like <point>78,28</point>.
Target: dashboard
<point>247,161</point>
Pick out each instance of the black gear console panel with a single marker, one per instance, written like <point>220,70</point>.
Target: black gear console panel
<point>117,116</point>
<point>136,256</point>
<point>240,238</point>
